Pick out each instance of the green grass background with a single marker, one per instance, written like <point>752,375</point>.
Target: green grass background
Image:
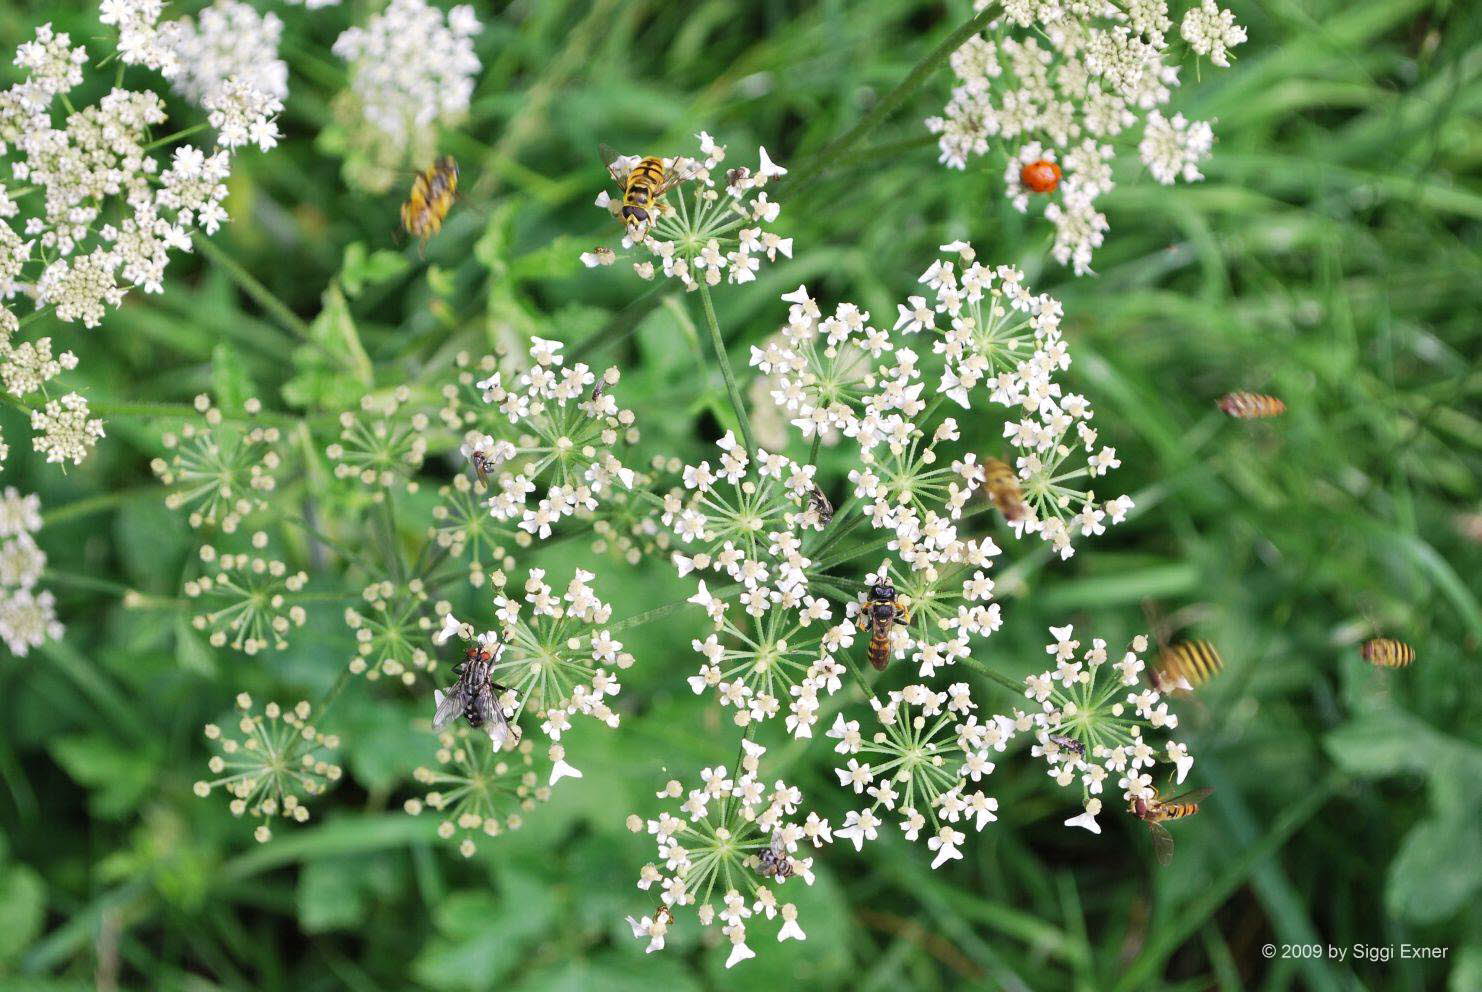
<point>1331,257</point>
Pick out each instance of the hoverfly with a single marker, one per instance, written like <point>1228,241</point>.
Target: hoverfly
<point>1251,406</point>
<point>432,195</point>
<point>1186,665</point>
<point>1156,810</point>
<point>1001,483</point>
<point>820,506</point>
<point>878,614</point>
<point>1041,176</point>
<point>1386,652</point>
<point>475,697</point>
<point>774,862</point>
<point>643,186</point>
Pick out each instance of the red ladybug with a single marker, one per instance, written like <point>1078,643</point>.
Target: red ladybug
<point>1041,176</point>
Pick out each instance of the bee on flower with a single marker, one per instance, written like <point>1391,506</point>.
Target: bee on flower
<point>717,227</point>
<point>729,849</point>
<point>280,761</point>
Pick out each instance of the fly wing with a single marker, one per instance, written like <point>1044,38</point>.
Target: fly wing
<point>1192,796</point>
<point>449,705</point>
<point>613,161</point>
<point>682,172</point>
<point>502,733</point>
<point>1162,842</point>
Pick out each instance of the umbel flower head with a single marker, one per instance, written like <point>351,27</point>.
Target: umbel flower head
<point>1091,719</point>
<point>279,762</point>
<point>787,655</point>
<point>383,446</point>
<point>744,519</point>
<point>1063,83</point>
<point>922,766</point>
<point>548,433</point>
<point>728,854</point>
<point>476,789</point>
<point>391,631</point>
<point>553,656</point>
<point>711,225</point>
<point>249,598</point>
<point>28,617</point>
<point>108,211</point>
<point>993,343</point>
<point>219,471</point>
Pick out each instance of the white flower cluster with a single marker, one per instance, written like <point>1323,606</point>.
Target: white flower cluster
<point>412,67</point>
<point>28,616</point>
<point>1059,83</point>
<point>565,424</point>
<point>728,854</point>
<point>99,212</point>
<point>274,768</point>
<point>998,345</point>
<point>553,655</point>
<point>219,471</point>
<point>229,41</point>
<point>1090,722</point>
<point>923,765</point>
<point>744,519</point>
<point>788,653</point>
<point>715,232</point>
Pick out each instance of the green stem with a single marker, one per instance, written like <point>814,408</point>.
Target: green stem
<point>263,296</point>
<point>725,370</point>
<point>835,149</point>
<point>1015,687</point>
<point>659,612</point>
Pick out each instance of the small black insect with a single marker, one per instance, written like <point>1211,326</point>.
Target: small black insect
<point>821,506</point>
<point>1069,744</point>
<point>475,697</point>
<point>774,861</point>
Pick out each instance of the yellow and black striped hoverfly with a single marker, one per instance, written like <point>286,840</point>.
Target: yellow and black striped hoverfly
<point>1155,811</point>
<point>644,182</point>
<point>433,191</point>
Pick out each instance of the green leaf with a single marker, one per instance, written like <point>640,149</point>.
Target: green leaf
<point>339,893</point>
<point>360,269</point>
<point>1437,870</point>
<point>22,909</point>
<point>117,778</point>
<point>334,371</point>
<point>230,380</point>
<point>481,937</point>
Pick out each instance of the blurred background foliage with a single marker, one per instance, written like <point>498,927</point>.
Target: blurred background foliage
<point>1331,257</point>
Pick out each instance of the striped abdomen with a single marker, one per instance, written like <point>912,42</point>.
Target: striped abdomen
<point>1251,406</point>
<point>879,653</point>
<point>1195,662</point>
<point>1002,485</point>
<point>647,176</point>
<point>1174,810</point>
<point>1386,652</point>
